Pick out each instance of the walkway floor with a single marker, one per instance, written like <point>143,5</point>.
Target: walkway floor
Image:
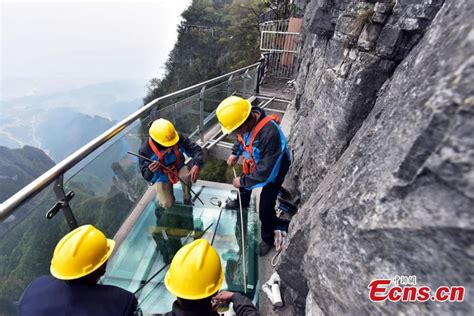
<point>279,88</point>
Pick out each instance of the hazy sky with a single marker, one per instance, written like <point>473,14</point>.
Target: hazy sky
<point>50,45</point>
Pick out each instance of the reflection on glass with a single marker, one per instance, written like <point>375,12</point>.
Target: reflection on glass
<point>172,225</point>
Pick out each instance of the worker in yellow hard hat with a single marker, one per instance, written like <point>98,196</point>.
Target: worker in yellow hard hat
<point>266,159</point>
<point>167,147</point>
<point>195,276</point>
<point>79,261</point>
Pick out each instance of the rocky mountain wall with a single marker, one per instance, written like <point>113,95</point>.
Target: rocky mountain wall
<point>386,170</point>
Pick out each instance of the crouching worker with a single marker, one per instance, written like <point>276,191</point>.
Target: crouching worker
<point>266,159</point>
<point>167,147</point>
<point>195,276</point>
<point>79,260</point>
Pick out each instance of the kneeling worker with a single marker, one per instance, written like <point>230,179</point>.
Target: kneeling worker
<point>167,147</point>
<point>195,276</point>
<point>79,260</point>
<point>266,159</point>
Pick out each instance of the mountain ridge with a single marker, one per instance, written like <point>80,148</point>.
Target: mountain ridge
<point>18,167</point>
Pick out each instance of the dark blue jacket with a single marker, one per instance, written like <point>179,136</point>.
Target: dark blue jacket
<point>269,151</point>
<point>47,295</point>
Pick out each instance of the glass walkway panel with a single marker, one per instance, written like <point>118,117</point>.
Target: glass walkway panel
<point>141,261</point>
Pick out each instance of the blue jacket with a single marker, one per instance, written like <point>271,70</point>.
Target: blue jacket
<point>185,145</point>
<point>47,295</point>
<point>270,152</point>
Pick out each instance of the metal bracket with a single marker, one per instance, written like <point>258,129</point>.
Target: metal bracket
<point>260,73</point>
<point>63,204</point>
<point>245,77</point>
<point>229,82</point>
<point>59,205</point>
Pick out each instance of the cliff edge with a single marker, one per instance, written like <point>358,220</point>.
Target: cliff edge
<point>385,172</point>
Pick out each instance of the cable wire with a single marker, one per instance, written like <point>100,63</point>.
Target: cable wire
<point>244,265</point>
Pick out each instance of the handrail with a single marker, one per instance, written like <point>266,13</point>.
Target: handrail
<point>9,206</point>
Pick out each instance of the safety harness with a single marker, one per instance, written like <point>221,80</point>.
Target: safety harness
<point>249,165</point>
<point>170,171</point>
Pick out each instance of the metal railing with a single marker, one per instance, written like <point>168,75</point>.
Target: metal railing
<point>9,206</point>
<point>280,47</point>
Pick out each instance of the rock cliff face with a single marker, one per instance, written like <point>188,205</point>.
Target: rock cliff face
<point>386,170</point>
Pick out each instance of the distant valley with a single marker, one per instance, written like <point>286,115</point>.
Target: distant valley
<point>61,123</point>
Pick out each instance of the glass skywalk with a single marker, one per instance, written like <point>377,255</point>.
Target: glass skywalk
<point>157,234</point>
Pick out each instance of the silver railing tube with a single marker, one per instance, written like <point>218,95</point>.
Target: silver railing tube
<point>9,206</point>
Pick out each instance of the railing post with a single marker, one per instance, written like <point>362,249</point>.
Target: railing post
<point>63,204</point>
<point>229,81</point>
<point>201,114</point>
<point>260,73</point>
<point>245,77</point>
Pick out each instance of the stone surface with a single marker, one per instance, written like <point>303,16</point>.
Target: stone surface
<point>422,11</point>
<point>368,37</point>
<point>300,6</point>
<point>345,25</point>
<point>383,158</point>
<point>321,23</point>
<point>382,8</point>
<point>381,11</point>
<point>388,41</point>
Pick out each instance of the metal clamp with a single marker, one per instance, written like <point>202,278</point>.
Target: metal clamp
<point>63,204</point>
<point>59,205</point>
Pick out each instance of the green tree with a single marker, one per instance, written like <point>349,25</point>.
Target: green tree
<point>215,37</point>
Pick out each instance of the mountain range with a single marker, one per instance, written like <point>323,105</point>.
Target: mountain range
<point>61,123</point>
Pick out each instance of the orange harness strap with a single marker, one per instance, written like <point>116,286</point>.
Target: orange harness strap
<point>171,171</point>
<point>249,165</point>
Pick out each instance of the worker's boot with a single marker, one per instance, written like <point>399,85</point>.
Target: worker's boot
<point>233,204</point>
<point>264,248</point>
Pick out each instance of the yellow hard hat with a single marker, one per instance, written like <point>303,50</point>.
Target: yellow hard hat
<point>195,271</point>
<point>163,132</point>
<point>80,252</point>
<point>232,112</point>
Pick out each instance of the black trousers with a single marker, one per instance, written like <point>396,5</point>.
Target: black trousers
<point>268,198</point>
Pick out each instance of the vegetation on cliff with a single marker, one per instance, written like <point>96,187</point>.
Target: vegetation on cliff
<point>215,37</point>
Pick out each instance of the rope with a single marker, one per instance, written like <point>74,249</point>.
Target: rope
<point>215,201</point>
<point>244,265</point>
<point>277,256</point>
<point>168,169</point>
<point>280,247</point>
